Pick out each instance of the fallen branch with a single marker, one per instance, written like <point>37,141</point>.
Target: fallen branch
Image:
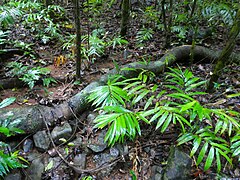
<point>32,117</point>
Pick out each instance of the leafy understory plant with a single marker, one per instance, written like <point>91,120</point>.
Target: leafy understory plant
<point>144,34</point>
<point>30,75</point>
<point>213,134</point>
<point>9,160</point>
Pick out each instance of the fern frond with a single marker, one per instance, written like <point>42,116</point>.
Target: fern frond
<point>8,162</point>
<point>122,122</point>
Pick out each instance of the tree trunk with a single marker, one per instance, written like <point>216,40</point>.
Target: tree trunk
<point>31,118</point>
<point>78,38</point>
<point>125,17</point>
<point>167,22</point>
<point>225,54</point>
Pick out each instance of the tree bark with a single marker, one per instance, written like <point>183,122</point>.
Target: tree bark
<point>78,38</point>
<point>125,17</point>
<point>225,54</point>
<point>31,118</point>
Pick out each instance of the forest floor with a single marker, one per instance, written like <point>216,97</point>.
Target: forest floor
<point>67,85</point>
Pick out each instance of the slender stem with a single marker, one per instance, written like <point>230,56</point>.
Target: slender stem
<point>78,38</point>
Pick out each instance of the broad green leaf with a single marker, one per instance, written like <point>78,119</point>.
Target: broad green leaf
<point>149,102</point>
<point>185,138</point>
<point>187,106</point>
<point>209,159</point>
<point>162,119</point>
<point>218,160</point>
<point>5,131</point>
<point>140,96</point>
<point>166,123</point>
<point>202,153</point>
<point>235,138</point>
<point>224,127</point>
<point>196,143</point>
<point>220,146</point>
<point>7,102</point>
<point>224,154</point>
<point>137,88</point>
<point>218,126</point>
<point>158,114</point>
<point>235,145</point>
<point>191,81</point>
<point>117,109</point>
<point>236,152</point>
<point>132,85</point>
<point>192,86</point>
<point>233,95</point>
<point>49,166</point>
<point>143,118</point>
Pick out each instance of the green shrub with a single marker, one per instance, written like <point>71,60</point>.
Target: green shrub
<point>214,134</point>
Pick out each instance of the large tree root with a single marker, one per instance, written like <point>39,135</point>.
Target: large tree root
<point>31,118</point>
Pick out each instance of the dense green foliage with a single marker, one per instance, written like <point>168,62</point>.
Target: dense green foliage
<point>213,133</point>
<point>9,160</point>
<point>30,75</point>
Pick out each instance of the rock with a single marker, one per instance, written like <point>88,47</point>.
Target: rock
<point>27,145</point>
<point>60,169</point>
<point>80,160</point>
<point>123,149</point>
<point>58,132</point>
<point>41,141</point>
<point>114,152</point>
<point>52,152</point>
<point>99,145</point>
<point>77,142</point>
<point>101,159</point>
<point>91,117</point>
<point>13,176</point>
<point>178,166</point>
<point>35,170</point>
<point>156,173</point>
<point>33,155</point>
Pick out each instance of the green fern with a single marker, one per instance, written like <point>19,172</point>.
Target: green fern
<point>122,122</point>
<point>8,16</point>
<point>110,94</point>
<point>201,127</point>
<point>8,162</point>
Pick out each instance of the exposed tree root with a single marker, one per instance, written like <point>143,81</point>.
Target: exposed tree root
<point>31,117</point>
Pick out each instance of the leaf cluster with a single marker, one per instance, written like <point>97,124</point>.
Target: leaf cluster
<point>9,161</point>
<point>30,75</point>
<point>212,133</point>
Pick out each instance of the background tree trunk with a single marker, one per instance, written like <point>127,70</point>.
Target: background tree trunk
<point>125,17</point>
<point>226,52</point>
<point>78,38</point>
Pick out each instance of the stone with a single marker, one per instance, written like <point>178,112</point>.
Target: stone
<point>114,152</point>
<point>123,149</point>
<point>178,166</point>
<point>99,145</point>
<point>13,176</point>
<point>91,117</point>
<point>80,160</point>
<point>101,159</point>
<point>41,140</point>
<point>36,169</point>
<point>64,131</point>
<point>27,145</point>
<point>78,142</point>
<point>156,173</point>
